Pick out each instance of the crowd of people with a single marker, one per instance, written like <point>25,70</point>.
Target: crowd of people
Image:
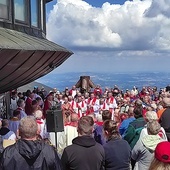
<point>103,129</point>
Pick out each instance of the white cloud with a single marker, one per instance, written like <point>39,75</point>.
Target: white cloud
<point>136,25</point>
<point>128,32</point>
<point>159,7</point>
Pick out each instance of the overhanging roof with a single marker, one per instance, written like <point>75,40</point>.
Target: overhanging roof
<point>24,58</point>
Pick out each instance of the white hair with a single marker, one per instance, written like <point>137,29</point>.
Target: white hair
<point>38,114</point>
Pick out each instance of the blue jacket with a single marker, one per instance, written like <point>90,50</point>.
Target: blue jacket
<point>124,125</point>
<point>98,135</point>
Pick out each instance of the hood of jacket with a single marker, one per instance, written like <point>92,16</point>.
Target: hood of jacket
<point>30,150</point>
<point>85,141</point>
<point>151,141</point>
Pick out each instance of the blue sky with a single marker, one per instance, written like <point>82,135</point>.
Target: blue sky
<point>96,3</point>
<point>99,3</point>
<point>114,37</point>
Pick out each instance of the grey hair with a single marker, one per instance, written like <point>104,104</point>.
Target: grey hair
<point>153,127</point>
<point>28,127</point>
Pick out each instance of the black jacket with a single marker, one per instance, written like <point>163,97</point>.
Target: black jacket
<point>164,121</point>
<point>30,155</point>
<point>84,154</point>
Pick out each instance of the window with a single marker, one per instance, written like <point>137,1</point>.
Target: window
<point>26,16</point>
<point>20,10</point>
<point>34,13</point>
<point>4,9</point>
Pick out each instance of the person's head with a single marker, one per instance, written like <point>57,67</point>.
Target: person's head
<point>5,123</point>
<point>85,125</point>
<point>79,98</point>
<point>16,113</point>
<point>13,94</point>
<point>102,100</point>
<point>153,127</point>
<point>138,103</point>
<point>38,114</point>
<point>106,115</point>
<point>65,99</point>
<point>39,100</point>
<point>93,116</point>
<point>28,128</point>
<point>73,87</point>
<point>74,117</point>
<point>104,95</point>
<point>34,106</point>
<point>20,95</point>
<point>54,90</point>
<point>154,106</point>
<point>109,94</point>
<point>70,98</point>
<point>137,112</point>
<point>159,107</point>
<point>166,102</point>
<point>146,99</point>
<point>111,129</point>
<point>28,92</point>
<point>21,103</point>
<point>60,96</point>
<point>130,111</point>
<point>34,103</point>
<point>161,159</point>
<point>99,118</point>
<point>92,95</point>
<point>32,94</point>
<point>50,97</point>
<point>82,98</point>
<point>86,95</point>
<point>151,116</point>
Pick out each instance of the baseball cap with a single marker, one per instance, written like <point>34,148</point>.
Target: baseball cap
<point>151,115</point>
<point>162,152</point>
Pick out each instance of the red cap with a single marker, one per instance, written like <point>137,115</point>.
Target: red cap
<point>162,152</point>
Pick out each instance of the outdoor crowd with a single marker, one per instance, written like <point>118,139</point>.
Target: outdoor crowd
<point>103,129</point>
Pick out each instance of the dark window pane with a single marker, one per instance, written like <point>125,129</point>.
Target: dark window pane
<point>20,10</point>
<point>4,9</point>
<point>34,13</point>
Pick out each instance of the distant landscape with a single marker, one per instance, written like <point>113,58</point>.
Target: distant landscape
<point>122,80</point>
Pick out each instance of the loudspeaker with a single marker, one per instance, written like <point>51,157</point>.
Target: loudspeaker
<point>54,121</point>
